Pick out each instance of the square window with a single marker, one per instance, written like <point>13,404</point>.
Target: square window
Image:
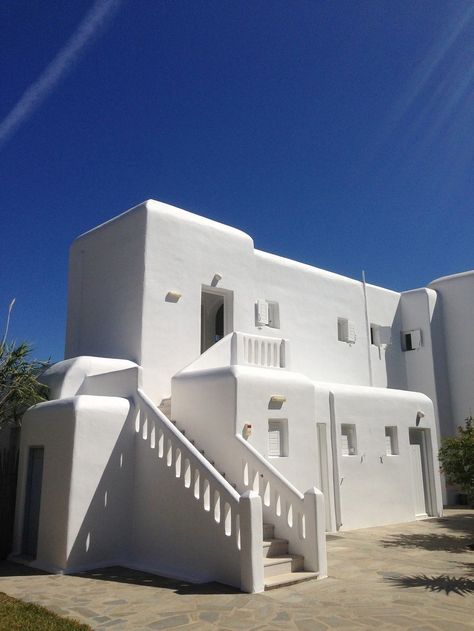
<point>411,340</point>
<point>277,438</point>
<point>346,331</point>
<point>267,313</point>
<point>391,441</point>
<point>348,440</point>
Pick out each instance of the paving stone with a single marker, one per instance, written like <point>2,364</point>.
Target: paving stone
<point>387,578</point>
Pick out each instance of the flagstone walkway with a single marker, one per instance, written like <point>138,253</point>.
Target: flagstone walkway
<point>416,576</point>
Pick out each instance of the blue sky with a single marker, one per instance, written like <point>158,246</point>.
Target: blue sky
<point>338,133</point>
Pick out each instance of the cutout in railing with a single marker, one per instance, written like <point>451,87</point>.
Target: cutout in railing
<point>227,519</point>
<point>152,436</point>
<point>277,504</point>
<point>266,493</point>
<point>187,473</point>
<point>302,525</point>
<point>169,453</point>
<point>161,443</point>
<point>177,463</point>
<point>217,506</point>
<point>206,494</point>
<point>256,482</point>
<point>289,514</point>
<point>245,466</point>
<point>197,484</point>
<point>237,531</point>
<point>145,428</point>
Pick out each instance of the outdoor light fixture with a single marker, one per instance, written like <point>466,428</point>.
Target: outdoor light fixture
<point>216,279</point>
<point>173,296</point>
<point>247,431</point>
<point>419,416</point>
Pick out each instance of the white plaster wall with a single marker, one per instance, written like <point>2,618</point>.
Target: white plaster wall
<point>106,276</point>
<point>172,534</point>
<point>456,295</point>
<point>88,448</point>
<point>122,272</point>
<point>417,312</point>
<point>184,252</point>
<point>375,489</point>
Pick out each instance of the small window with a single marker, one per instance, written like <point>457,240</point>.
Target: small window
<point>277,438</point>
<point>267,313</point>
<point>380,335</point>
<point>346,331</point>
<point>273,314</point>
<point>411,340</point>
<point>374,334</point>
<point>348,440</point>
<point>391,441</point>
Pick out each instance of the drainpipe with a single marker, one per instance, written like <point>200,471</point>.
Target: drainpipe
<point>367,326</point>
<point>335,462</point>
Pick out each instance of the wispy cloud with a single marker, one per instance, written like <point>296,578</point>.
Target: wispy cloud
<point>37,92</point>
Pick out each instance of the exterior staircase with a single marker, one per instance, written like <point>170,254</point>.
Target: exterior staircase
<point>280,568</point>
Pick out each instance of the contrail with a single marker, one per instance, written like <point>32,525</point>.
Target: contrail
<point>37,92</point>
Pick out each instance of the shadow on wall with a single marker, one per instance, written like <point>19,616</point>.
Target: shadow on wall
<point>443,583</point>
<point>134,577</point>
<point>394,364</point>
<point>104,535</point>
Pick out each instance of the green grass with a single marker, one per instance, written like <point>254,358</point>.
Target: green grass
<point>16,615</point>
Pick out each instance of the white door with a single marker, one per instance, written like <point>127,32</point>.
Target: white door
<point>417,480</point>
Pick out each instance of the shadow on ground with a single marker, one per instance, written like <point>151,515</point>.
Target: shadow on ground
<point>135,577</point>
<point>8,568</point>
<point>461,522</point>
<point>431,541</point>
<point>442,583</point>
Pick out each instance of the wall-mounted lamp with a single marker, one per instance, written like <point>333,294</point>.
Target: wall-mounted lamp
<point>419,416</point>
<point>217,277</point>
<point>276,401</point>
<point>247,431</point>
<point>173,296</point>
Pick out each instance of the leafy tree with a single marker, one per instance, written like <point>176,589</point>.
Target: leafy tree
<point>19,385</point>
<point>457,459</point>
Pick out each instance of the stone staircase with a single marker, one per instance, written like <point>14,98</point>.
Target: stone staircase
<point>280,568</point>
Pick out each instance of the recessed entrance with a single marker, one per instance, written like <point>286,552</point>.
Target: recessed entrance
<point>420,472</point>
<point>216,316</point>
<point>32,501</point>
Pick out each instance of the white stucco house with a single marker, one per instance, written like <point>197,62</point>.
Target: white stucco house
<point>221,408</point>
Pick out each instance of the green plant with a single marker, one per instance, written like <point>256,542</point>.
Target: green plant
<point>16,615</point>
<point>19,385</point>
<point>457,459</point>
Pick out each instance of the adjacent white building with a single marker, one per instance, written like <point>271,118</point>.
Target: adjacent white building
<point>220,408</point>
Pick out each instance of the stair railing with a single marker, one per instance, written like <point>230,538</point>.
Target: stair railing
<point>297,517</point>
<point>240,516</point>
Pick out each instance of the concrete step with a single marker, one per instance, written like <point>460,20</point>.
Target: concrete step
<point>275,547</point>
<point>284,564</point>
<point>268,531</point>
<point>284,580</point>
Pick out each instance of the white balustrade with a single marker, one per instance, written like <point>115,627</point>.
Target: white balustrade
<point>238,517</point>
<point>298,518</point>
<point>259,350</point>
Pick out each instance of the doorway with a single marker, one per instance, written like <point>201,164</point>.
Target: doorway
<point>216,316</point>
<point>420,472</point>
<point>32,501</point>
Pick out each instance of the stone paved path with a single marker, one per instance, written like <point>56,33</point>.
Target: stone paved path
<point>416,576</point>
